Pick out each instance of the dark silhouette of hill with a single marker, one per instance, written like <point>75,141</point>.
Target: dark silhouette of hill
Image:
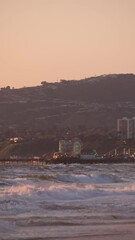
<point>94,102</point>
<point>105,89</point>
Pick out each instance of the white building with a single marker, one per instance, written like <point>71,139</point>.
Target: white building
<point>70,147</point>
<point>126,127</point>
<point>65,146</point>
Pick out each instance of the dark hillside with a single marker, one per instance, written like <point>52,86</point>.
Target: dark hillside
<point>104,89</point>
<point>92,102</point>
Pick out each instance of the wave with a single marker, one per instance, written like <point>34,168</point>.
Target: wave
<point>92,178</point>
<point>71,191</point>
<point>121,189</point>
<point>18,190</point>
<point>69,178</point>
<point>47,177</point>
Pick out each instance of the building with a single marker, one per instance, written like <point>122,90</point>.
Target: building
<point>89,155</point>
<point>123,128</point>
<point>126,127</point>
<point>70,147</point>
<point>65,146</point>
<point>132,128</point>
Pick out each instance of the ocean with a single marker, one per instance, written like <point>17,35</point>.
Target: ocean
<point>75,201</point>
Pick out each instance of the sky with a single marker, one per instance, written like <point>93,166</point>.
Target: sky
<point>49,40</point>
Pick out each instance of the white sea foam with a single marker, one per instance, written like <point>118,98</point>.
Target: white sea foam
<point>17,190</point>
<point>52,192</point>
<point>70,191</point>
<point>129,188</point>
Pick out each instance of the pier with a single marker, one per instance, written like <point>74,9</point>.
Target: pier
<point>114,160</point>
<point>22,162</point>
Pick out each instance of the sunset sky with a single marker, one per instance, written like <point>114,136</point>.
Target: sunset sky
<point>49,40</point>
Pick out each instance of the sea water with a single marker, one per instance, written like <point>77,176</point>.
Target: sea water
<point>67,201</point>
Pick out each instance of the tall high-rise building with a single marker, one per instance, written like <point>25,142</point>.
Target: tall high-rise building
<point>126,127</point>
<point>132,127</point>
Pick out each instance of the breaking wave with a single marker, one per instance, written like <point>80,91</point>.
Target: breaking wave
<point>34,200</point>
<point>72,191</point>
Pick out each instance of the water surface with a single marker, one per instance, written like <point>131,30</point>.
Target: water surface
<point>67,201</point>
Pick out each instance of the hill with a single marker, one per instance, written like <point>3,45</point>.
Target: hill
<point>92,102</point>
<point>86,108</point>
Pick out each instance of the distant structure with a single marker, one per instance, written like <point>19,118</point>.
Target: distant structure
<point>65,146</point>
<point>126,127</point>
<point>69,148</point>
<point>89,155</point>
<point>77,147</point>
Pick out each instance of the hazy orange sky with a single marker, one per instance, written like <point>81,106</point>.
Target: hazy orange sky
<point>49,40</point>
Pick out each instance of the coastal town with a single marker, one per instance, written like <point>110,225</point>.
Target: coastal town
<point>35,120</point>
<point>72,149</point>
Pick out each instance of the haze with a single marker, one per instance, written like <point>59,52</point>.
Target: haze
<point>49,40</point>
